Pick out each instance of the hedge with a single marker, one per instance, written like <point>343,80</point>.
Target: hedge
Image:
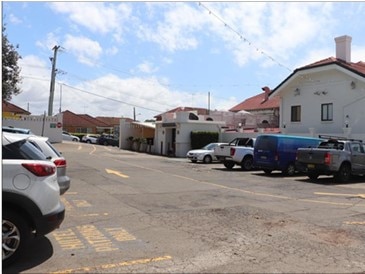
<point>198,139</point>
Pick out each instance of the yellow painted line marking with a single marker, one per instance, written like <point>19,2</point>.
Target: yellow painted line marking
<point>79,147</point>
<point>81,203</point>
<point>115,172</point>
<point>95,214</point>
<point>94,149</point>
<point>109,266</point>
<point>67,239</point>
<point>341,194</point>
<point>96,238</point>
<point>242,190</point>
<point>354,223</point>
<point>120,234</point>
<point>70,193</point>
<point>66,203</point>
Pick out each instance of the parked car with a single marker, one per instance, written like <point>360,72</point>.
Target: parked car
<point>237,152</point>
<point>16,130</point>
<point>336,156</point>
<point>90,138</point>
<point>108,140</point>
<point>30,196</point>
<point>68,137</point>
<point>55,156</point>
<point>278,152</point>
<point>204,154</point>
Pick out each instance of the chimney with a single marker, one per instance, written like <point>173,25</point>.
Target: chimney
<point>343,48</point>
<point>267,92</point>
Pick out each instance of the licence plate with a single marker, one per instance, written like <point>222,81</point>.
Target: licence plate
<point>311,166</point>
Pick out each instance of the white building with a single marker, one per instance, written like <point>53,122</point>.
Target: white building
<point>326,97</point>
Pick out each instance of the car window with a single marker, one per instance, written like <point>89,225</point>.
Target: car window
<point>22,150</point>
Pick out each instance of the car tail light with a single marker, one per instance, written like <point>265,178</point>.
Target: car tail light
<point>60,162</point>
<point>232,151</point>
<point>40,170</point>
<point>327,159</point>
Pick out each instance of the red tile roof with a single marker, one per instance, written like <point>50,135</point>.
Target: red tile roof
<point>110,121</point>
<point>76,120</point>
<point>257,102</point>
<point>358,68</point>
<point>9,107</point>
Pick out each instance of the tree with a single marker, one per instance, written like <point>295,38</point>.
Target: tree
<point>10,69</point>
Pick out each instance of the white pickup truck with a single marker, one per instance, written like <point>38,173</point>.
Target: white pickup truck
<point>238,152</point>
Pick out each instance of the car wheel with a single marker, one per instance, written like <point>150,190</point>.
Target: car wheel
<point>228,164</point>
<point>105,143</point>
<point>290,170</point>
<point>267,171</point>
<point>74,140</point>
<point>313,175</point>
<point>88,141</point>
<point>344,174</point>
<point>16,234</point>
<point>207,159</point>
<point>247,163</point>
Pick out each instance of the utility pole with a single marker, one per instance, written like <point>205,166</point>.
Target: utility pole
<point>53,79</point>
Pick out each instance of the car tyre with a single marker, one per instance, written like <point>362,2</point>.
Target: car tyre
<point>88,141</point>
<point>16,235</point>
<point>247,163</point>
<point>207,159</point>
<point>267,171</point>
<point>229,164</point>
<point>344,173</point>
<point>290,170</point>
<point>313,175</point>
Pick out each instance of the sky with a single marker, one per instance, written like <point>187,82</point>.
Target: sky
<point>123,58</point>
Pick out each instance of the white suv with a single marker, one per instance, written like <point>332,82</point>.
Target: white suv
<point>30,196</point>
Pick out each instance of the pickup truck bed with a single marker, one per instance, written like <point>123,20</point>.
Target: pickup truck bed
<point>340,158</point>
<point>238,152</point>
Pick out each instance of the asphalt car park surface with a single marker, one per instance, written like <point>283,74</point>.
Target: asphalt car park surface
<point>130,212</point>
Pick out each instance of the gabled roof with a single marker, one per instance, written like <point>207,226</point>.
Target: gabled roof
<point>9,107</point>
<point>257,102</point>
<point>93,120</point>
<point>357,68</point>
<point>76,120</point>
<point>110,121</point>
<point>200,111</point>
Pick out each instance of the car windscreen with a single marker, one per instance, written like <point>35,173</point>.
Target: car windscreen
<point>22,150</point>
<point>266,143</point>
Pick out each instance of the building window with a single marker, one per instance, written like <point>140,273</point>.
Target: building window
<point>327,112</point>
<point>295,113</point>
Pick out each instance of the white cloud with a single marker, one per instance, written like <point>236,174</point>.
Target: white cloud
<point>176,30</point>
<point>49,42</point>
<point>147,67</point>
<point>273,28</point>
<point>101,17</point>
<point>86,50</point>
<point>35,86</point>
<point>14,19</point>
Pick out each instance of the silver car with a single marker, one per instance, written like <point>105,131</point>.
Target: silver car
<point>54,156</point>
<point>205,154</point>
<point>69,137</point>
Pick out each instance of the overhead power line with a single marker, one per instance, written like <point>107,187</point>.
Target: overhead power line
<point>112,99</point>
<point>243,38</point>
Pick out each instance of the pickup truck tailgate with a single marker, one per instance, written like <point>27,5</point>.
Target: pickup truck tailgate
<point>312,156</point>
